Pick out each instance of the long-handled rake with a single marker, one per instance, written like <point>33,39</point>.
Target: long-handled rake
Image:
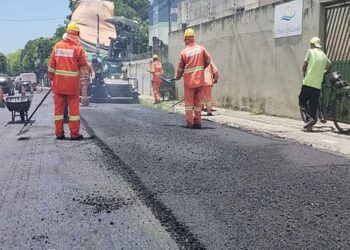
<point>28,121</point>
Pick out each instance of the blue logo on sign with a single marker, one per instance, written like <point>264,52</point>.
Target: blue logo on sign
<point>289,13</point>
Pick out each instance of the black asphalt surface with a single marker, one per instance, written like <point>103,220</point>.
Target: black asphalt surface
<point>60,194</point>
<point>222,188</point>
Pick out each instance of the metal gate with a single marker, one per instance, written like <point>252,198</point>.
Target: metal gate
<point>337,37</point>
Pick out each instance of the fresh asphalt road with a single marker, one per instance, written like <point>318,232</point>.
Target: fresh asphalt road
<point>222,188</point>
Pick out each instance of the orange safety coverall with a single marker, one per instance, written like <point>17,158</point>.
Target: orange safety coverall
<point>211,76</point>
<point>66,58</point>
<point>85,74</point>
<point>157,71</point>
<point>193,60</point>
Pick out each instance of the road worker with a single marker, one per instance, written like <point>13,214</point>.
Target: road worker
<point>211,77</point>
<point>193,60</point>
<point>85,74</point>
<point>66,58</point>
<point>156,71</point>
<point>315,65</point>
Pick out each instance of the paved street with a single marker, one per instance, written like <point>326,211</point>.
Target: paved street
<point>140,180</point>
<point>61,195</point>
<point>231,189</point>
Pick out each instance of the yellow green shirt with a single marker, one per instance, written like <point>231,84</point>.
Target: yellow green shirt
<point>317,62</point>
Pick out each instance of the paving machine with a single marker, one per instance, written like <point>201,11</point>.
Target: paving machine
<point>107,41</point>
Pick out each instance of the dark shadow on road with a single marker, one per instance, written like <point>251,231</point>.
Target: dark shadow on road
<point>19,122</point>
<point>202,128</point>
<point>169,125</point>
<point>321,129</point>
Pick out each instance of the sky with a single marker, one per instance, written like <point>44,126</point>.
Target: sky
<point>15,34</point>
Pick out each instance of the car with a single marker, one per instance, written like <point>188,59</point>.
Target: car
<point>26,86</point>
<point>7,86</point>
<point>27,79</point>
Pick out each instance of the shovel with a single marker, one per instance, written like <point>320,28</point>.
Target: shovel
<point>28,121</point>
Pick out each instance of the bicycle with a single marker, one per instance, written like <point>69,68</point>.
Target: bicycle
<point>335,102</point>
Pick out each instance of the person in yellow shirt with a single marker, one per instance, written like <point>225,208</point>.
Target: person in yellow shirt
<point>315,65</point>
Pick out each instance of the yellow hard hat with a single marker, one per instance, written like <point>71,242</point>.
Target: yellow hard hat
<point>189,32</point>
<point>316,41</point>
<point>73,27</point>
<point>155,57</point>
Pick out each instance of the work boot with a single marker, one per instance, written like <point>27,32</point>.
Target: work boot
<point>197,126</point>
<point>79,137</point>
<point>310,123</point>
<point>61,137</point>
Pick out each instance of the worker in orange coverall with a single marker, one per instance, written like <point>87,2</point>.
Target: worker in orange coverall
<point>85,74</point>
<point>156,71</point>
<point>211,76</point>
<point>193,60</point>
<point>66,58</point>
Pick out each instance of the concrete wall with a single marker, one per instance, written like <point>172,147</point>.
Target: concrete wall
<point>138,69</point>
<point>257,72</point>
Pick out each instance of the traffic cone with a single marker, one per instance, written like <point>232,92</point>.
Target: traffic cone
<point>2,104</point>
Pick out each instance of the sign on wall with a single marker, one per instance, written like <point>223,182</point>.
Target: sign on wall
<point>289,19</point>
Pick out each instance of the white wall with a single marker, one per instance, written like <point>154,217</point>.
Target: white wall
<point>138,69</point>
<point>257,72</point>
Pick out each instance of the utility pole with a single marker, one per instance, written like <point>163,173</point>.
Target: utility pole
<point>169,13</point>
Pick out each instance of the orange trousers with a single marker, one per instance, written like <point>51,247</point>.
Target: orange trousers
<point>193,106</point>
<point>208,97</point>
<point>84,94</point>
<point>156,85</point>
<point>74,115</point>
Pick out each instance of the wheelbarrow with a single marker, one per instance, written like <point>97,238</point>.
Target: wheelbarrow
<point>18,106</point>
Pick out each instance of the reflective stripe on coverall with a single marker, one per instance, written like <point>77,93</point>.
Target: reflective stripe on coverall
<point>193,60</point>
<point>211,73</point>
<point>157,71</point>
<point>66,58</point>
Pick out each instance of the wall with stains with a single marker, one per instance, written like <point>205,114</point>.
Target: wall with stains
<point>138,70</point>
<point>258,73</point>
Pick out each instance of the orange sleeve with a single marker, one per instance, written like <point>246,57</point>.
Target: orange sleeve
<point>153,68</point>
<point>181,66</point>
<point>207,58</point>
<point>215,72</point>
<point>52,65</point>
<point>81,57</point>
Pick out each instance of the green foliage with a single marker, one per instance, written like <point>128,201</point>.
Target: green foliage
<point>123,9</point>
<point>34,57</point>
<point>140,39</point>
<point>136,10</point>
<point>140,6</point>
<point>3,63</point>
<point>14,63</point>
<point>59,33</point>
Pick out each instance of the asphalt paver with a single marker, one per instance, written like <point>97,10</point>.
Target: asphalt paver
<point>223,188</point>
<point>62,194</point>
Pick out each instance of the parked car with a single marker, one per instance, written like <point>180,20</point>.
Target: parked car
<point>26,86</point>
<point>7,86</point>
<point>25,79</point>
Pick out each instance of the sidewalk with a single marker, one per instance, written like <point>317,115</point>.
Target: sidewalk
<point>324,136</point>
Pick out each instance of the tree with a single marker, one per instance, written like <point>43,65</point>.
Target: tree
<point>121,8</point>
<point>140,6</point>
<point>59,33</point>
<point>3,63</point>
<point>14,64</point>
<point>136,10</point>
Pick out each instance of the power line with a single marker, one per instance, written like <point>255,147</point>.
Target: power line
<point>32,20</point>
